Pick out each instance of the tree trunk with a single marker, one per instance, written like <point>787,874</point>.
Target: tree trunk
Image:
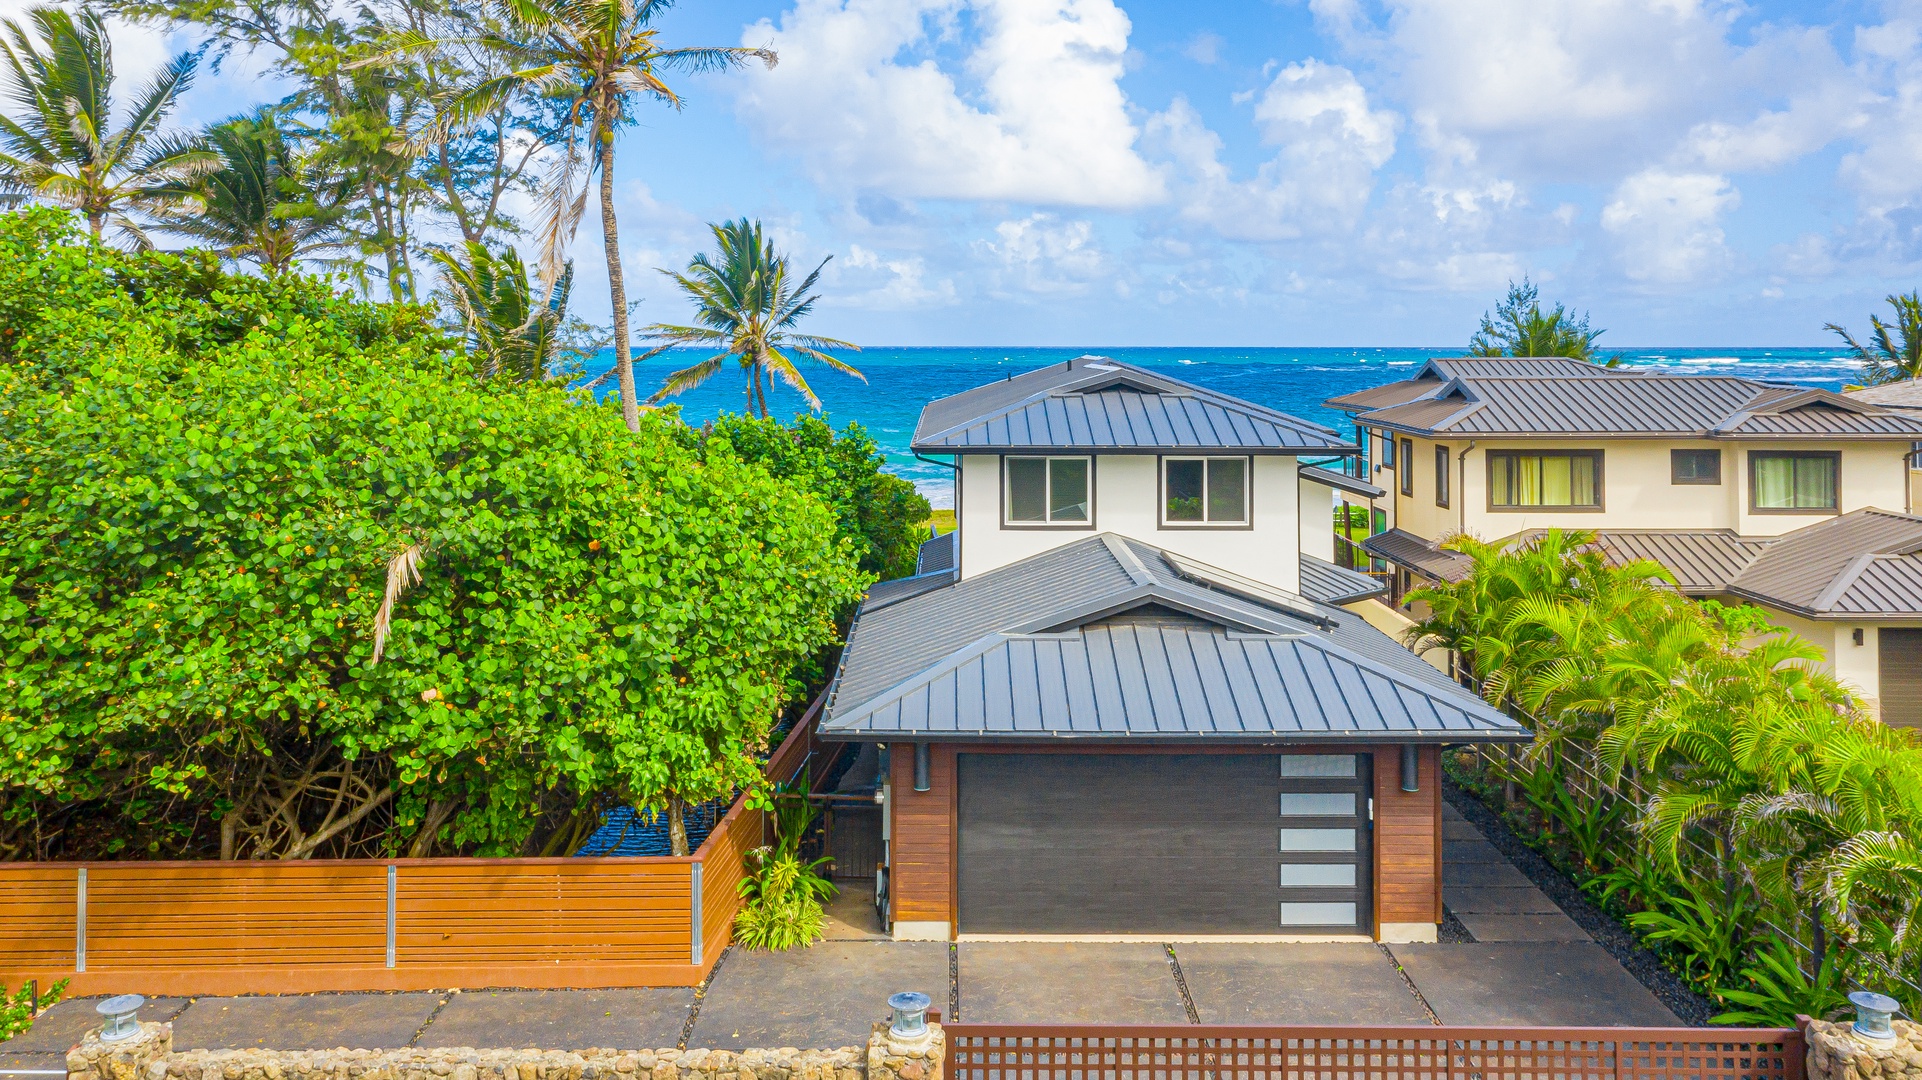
<point>676,825</point>
<point>617,291</point>
<point>438,811</point>
<point>95,222</point>
<point>760,388</point>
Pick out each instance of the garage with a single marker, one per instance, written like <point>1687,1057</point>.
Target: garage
<point>1901,676</point>
<point>1171,843</point>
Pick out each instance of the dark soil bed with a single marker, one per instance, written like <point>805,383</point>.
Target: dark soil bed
<point>1692,1008</point>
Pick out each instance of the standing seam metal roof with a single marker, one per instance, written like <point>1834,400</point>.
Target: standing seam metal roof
<point>1867,562</point>
<point>1096,404</point>
<point>1146,652</point>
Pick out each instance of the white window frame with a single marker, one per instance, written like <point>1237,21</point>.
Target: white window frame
<point>1047,492</point>
<point>1247,519</point>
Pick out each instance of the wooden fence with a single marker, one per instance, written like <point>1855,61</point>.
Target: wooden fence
<point>1326,1052</point>
<point>373,924</point>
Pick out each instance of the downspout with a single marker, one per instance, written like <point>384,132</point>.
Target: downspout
<point>1461,490</point>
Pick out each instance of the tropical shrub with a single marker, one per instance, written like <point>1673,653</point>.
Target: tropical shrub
<point>1694,768</point>
<point>283,576</point>
<point>782,893</point>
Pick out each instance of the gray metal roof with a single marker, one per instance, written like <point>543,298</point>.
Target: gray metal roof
<point>1431,375</point>
<point>1864,563</point>
<point>1906,394</point>
<point>1403,548</point>
<point>1603,401</point>
<point>1702,560</point>
<point>1326,583</point>
<point>1341,482</point>
<point>937,553</point>
<point>1113,639</point>
<point>1097,405</point>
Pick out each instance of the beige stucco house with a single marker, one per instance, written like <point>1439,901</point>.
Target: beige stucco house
<point>1797,500</point>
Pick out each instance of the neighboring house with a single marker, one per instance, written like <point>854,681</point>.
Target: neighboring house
<point>1123,699</point>
<point>1906,394</point>
<point>1797,500</point>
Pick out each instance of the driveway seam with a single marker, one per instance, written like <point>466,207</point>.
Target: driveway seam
<point>694,1007</point>
<point>1412,988</point>
<point>431,1017</point>
<point>954,983</point>
<point>1181,984</point>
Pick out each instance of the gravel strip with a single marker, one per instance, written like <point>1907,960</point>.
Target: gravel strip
<point>1452,932</point>
<point>1688,1006</point>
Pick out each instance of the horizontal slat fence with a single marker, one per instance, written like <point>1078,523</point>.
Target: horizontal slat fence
<point>372,924</point>
<point>1324,1052</point>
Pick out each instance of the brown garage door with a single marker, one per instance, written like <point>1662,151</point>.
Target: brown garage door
<point>1163,843</point>
<point>1899,656</point>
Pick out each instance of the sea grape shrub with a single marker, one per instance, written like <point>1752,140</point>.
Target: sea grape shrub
<point>203,479</point>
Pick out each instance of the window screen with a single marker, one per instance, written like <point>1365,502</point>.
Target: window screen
<point>1793,480</point>
<point>1568,479</point>
<point>1204,491</point>
<point>1048,491</point>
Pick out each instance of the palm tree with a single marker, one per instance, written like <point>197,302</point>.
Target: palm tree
<point>597,57</point>
<point>1519,327</point>
<point>746,304</point>
<point>490,295</point>
<point>58,147</point>
<point>259,203</point>
<point>1883,360</point>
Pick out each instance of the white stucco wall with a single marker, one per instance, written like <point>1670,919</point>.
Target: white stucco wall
<point>1126,495</point>
<point>1318,520</point>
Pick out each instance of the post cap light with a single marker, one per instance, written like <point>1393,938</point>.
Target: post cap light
<point>1410,768</point>
<point>1872,1013</point>
<point>122,1015</point>
<point>910,1014</point>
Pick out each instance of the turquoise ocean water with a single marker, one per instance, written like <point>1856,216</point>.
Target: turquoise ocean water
<point>900,381</point>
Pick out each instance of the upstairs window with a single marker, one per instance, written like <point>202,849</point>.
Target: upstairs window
<point>1441,476</point>
<point>1407,470</point>
<point>1388,451</point>
<point>1048,490</point>
<point>1695,466</point>
<point>1204,491</point>
<point>1555,479</point>
<point>1793,480</point>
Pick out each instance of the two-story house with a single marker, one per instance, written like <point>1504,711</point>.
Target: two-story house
<point>1121,700</point>
<point>1797,500</point>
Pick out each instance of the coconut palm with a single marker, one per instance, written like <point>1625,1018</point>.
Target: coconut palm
<point>1519,327</point>
<point>746,304</point>
<point>56,142</point>
<point>1894,351</point>
<point>259,204</point>
<point>510,332</point>
<point>598,57</point>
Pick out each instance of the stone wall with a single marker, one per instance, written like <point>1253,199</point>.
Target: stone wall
<point>1837,1053</point>
<point>150,1056</point>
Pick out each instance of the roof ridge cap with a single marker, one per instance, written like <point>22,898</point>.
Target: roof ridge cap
<point>1843,580</point>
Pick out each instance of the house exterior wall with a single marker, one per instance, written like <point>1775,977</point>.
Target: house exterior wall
<point>1857,666</point>
<point>924,838</point>
<point>1318,520</point>
<point>1127,492</point>
<point>1637,489</point>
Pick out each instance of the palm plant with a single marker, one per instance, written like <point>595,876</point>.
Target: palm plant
<point>746,304</point>
<point>1894,351</point>
<point>60,148</point>
<point>1519,327</point>
<point>597,57</point>
<point>260,204</point>
<point>491,298</point>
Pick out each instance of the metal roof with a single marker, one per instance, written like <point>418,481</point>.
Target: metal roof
<point>937,553</point>
<point>1341,482</point>
<point>1403,548</point>
<point>1105,638</point>
<point>1702,560</point>
<point>1906,394</point>
<point>1604,401</point>
<point>1097,405</point>
<point>1326,583</point>
<point>1434,373</point>
<point>1868,562</point>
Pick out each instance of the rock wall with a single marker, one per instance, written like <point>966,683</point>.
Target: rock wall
<point>1837,1053</point>
<point>150,1056</point>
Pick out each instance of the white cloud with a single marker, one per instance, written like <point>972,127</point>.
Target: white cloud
<point>1204,48</point>
<point>1331,142</point>
<point>1666,225</point>
<point>1043,254</point>
<point>890,284</point>
<point>1051,125</point>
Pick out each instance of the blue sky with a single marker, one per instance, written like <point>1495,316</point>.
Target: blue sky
<point>1329,172</point>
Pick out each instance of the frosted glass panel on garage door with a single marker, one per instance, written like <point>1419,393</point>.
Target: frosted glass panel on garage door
<point>1317,804</point>
<point>1318,766</point>
<point>1310,914</point>
<point>1317,875</point>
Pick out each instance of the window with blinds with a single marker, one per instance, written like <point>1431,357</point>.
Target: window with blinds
<point>1552,479</point>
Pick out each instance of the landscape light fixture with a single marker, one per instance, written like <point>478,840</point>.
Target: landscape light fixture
<point>1872,1013</point>
<point>910,1013</point>
<point>923,756</point>
<point>123,1021</point>
<point>1410,768</point>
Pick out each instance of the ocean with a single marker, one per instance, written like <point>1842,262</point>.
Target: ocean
<point>901,380</point>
